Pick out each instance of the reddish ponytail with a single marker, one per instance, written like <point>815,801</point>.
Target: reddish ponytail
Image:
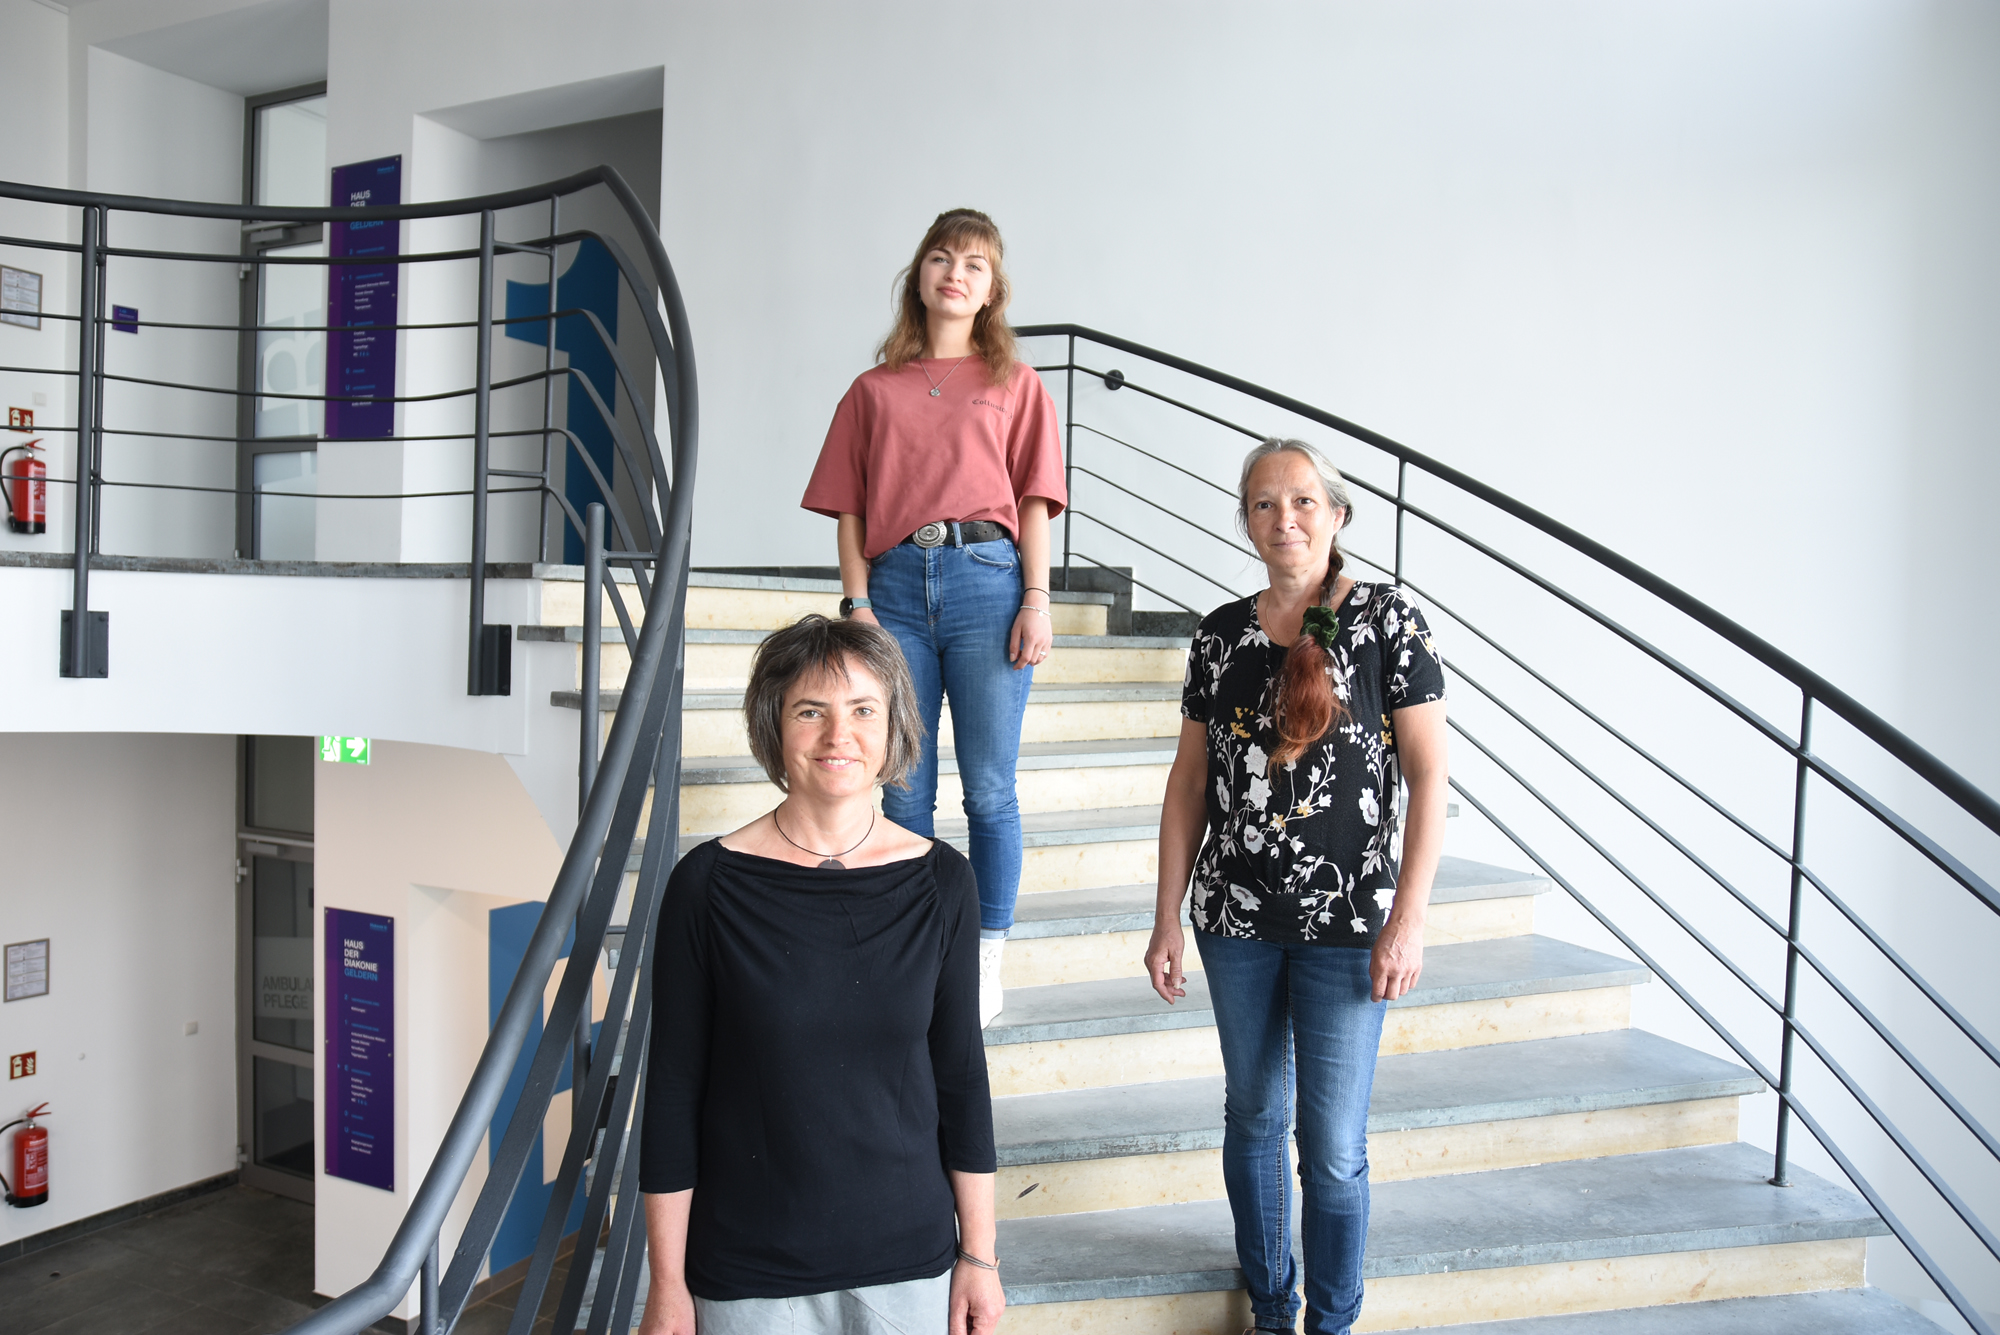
<point>1307,706</point>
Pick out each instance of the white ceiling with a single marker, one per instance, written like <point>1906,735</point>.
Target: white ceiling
<point>260,48</point>
<point>569,104</point>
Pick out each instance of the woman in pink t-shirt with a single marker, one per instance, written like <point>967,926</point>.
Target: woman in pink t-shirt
<point>943,467</point>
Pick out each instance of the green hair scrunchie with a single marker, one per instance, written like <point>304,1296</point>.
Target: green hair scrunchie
<point>1323,624</point>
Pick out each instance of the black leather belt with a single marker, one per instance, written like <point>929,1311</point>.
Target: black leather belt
<point>939,532</point>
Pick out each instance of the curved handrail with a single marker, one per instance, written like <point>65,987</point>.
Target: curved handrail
<point>1651,890</point>
<point>440,208</point>
<point>644,732</point>
<point>1948,781</point>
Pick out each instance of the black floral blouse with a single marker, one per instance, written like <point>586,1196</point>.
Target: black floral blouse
<point>1308,854</point>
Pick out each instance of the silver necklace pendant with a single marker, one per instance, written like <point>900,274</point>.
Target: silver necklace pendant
<point>833,864</point>
<point>937,390</point>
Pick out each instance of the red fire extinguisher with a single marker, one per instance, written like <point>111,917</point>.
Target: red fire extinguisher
<point>24,484</point>
<point>31,1160</point>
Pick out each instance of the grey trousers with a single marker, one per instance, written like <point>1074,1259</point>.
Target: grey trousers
<point>913,1307</point>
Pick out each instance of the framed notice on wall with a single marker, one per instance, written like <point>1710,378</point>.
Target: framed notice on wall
<point>27,969</point>
<point>360,976</point>
<point>20,297</point>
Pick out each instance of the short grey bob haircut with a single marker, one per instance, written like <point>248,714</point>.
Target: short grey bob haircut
<point>815,644</point>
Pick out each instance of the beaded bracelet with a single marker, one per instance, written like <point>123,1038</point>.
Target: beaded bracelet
<point>970,1259</point>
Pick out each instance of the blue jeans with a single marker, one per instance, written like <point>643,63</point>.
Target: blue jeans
<point>951,609</point>
<point>1297,1027</point>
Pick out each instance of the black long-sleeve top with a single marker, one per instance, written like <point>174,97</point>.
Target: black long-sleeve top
<point>816,1068</point>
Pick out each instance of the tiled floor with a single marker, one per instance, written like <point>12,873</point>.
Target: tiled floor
<point>238,1262</point>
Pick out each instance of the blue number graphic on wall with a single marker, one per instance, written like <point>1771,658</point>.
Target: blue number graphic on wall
<point>507,933</point>
<point>589,284</point>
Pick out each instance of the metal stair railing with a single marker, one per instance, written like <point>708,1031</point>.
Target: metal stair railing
<point>644,467</point>
<point>1633,860</point>
<point>642,751</point>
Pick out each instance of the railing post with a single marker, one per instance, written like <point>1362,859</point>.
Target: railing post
<point>593,647</point>
<point>481,668</point>
<point>427,1299</point>
<point>586,760</point>
<point>1402,485</point>
<point>1780,1174</point>
<point>76,659</point>
<point>1069,451</point>
<point>548,387</point>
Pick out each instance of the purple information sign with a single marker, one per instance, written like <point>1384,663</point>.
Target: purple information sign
<point>361,362</point>
<point>361,1048</point>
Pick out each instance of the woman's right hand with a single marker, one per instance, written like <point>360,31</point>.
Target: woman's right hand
<point>1164,954</point>
<point>669,1311</point>
<point>865,615</point>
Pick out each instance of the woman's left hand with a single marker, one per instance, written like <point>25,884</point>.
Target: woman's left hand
<point>1398,959</point>
<point>976,1300</point>
<point>1029,642</point>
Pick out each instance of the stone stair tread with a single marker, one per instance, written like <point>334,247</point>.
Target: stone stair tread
<point>1129,908</point>
<point>1034,756</point>
<point>1508,966</point>
<point>1125,692</point>
<point>1828,1312</point>
<point>1704,1198</point>
<point>1118,692</point>
<point>1040,829</point>
<point>1108,908</point>
<point>1061,641</point>
<point>1541,1077</point>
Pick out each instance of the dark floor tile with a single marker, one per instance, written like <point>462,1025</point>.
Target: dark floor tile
<point>124,1311</point>
<point>208,1321</point>
<point>484,1319</point>
<point>283,1273</point>
<point>33,1302</point>
<point>267,1310</point>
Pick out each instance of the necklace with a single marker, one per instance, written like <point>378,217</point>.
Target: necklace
<point>829,860</point>
<point>937,386</point>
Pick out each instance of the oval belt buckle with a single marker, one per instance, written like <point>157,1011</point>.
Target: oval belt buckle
<point>930,535</point>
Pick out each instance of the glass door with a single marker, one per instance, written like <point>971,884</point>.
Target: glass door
<point>277,1126</point>
<point>278,435</point>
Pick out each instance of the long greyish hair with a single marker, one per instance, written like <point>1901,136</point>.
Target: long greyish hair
<point>1307,706</point>
<point>992,336</point>
<point>814,643</point>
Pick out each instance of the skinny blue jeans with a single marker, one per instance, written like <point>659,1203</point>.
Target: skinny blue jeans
<point>951,609</point>
<point>1298,1032</point>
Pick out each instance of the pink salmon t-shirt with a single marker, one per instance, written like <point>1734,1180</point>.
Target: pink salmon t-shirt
<point>900,458</point>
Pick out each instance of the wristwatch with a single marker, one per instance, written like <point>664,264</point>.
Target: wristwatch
<point>847,606</point>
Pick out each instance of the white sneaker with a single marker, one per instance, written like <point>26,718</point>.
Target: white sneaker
<point>989,978</point>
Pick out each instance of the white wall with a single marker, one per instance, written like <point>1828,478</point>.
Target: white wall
<point>138,901</point>
<point>35,151</point>
<point>155,133</point>
<point>434,837</point>
<point>294,656</point>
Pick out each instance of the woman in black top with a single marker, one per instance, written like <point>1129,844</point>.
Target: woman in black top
<point>1300,705</point>
<point>817,1150</point>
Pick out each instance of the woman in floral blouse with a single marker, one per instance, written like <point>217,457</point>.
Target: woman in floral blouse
<point>1301,705</point>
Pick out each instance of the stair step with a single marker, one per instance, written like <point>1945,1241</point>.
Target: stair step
<point>1116,1031</point>
<point>1097,932</point>
<point>1110,692</point>
<point>1034,756</point>
<point>1830,1312</point>
<point>1682,1200</point>
<point>1475,971</point>
<point>1042,829</point>
<point>1501,1082</point>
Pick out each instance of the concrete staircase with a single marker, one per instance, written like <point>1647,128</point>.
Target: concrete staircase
<point>1540,1167</point>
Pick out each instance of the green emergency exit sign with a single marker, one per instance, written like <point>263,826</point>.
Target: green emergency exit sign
<point>344,750</point>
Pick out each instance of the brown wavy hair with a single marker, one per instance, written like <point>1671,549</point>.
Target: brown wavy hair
<point>1307,708</point>
<point>992,336</point>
